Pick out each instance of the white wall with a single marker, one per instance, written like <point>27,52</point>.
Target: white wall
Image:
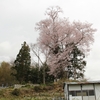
<point>97,91</point>
<point>76,87</point>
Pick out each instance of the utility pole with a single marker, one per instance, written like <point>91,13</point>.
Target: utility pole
<point>65,87</point>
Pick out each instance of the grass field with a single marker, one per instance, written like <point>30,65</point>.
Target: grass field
<point>32,93</point>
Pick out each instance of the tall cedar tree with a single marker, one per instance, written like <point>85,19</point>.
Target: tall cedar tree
<point>22,64</point>
<point>77,65</point>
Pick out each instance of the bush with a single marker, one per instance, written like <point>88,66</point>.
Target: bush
<point>1,92</point>
<point>38,88</point>
<point>16,92</point>
<point>47,88</point>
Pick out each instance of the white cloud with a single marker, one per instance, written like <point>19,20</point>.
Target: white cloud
<point>4,58</point>
<point>4,46</point>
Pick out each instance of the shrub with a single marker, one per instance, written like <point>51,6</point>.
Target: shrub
<point>38,88</point>
<point>16,92</point>
<point>1,93</point>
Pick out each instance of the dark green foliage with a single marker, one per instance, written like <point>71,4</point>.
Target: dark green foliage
<point>76,68</point>
<point>36,74</point>
<point>37,88</point>
<point>49,78</point>
<point>22,64</point>
<point>43,88</point>
<point>45,71</point>
<point>16,92</point>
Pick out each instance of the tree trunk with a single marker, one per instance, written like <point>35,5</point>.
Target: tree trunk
<point>44,75</point>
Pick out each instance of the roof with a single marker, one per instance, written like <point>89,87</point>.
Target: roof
<point>87,82</point>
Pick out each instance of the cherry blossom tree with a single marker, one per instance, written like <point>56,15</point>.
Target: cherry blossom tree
<point>59,36</point>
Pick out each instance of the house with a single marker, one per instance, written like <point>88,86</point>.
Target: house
<point>82,90</point>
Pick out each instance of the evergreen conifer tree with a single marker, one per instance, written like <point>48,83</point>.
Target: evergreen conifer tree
<point>22,64</point>
<point>76,68</point>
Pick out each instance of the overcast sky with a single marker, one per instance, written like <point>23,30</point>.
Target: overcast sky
<point>18,19</point>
